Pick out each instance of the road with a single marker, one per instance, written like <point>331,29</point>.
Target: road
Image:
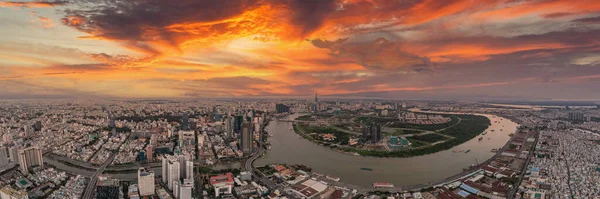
<point>91,186</point>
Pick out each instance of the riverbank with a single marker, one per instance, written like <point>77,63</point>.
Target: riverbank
<point>462,129</point>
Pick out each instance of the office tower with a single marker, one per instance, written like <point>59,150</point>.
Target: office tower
<point>229,126</point>
<point>145,182</point>
<point>107,188</point>
<point>29,157</point>
<point>185,124</point>
<point>237,122</point>
<point>37,126</point>
<point>149,153</point>
<point>4,160</point>
<point>375,133</point>
<point>246,138</point>
<point>8,192</point>
<point>172,169</point>
<point>282,108</point>
<point>366,133</point>
<point>13,152</point>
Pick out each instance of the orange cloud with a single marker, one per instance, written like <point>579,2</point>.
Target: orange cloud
<point>32,4</point>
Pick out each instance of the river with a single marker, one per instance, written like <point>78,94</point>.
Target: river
<point>287,147</point>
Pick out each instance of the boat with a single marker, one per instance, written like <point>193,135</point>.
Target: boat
<point>468,150</point>
<point>366,169</point>
<point>489,138</point>
<point>494,150</point>
<point>333,178</point>
<point>383,185</point>
<point>480,138</point>
<point>485,132</point>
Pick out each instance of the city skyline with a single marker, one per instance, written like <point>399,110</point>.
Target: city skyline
<point>419,49</point>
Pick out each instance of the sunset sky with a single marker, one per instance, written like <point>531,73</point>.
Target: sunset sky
<point>396,49</point>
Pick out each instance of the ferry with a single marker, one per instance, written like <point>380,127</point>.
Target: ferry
<point>383,185</point>
<point>366,169</point>
<point>333,178</point>
<point>468,150</point>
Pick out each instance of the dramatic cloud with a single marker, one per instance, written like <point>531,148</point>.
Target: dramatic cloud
<point>32,4</point>
<point>488,49</point>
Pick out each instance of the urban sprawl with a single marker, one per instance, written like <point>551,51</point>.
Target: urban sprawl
<point>178,149</point>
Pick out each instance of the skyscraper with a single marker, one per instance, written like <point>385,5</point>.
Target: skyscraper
<point>107,188</point>
<point>375,133</point>
<point>171,170</point>
<point>229,126</point>
<point>149,153</point>
<point>246,138</point>
<point>4,160</point>
<point>145,182</point>
<point>29,157</point>
<point>366,133</point>
<point>237,122</point>
<point>185,123</point>
<point>13,152</point>
<point>189,170</point>
<point>282,108</point>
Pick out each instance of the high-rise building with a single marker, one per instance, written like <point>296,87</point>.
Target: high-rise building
<point>107,188</point>
<point>13,153</point>
<point>8,192</point>
<point>29,157</point>
<point>282,108</point>
<point>246,138</point>
<point>145,182</point>
<point>185,124</point>
<point>4,160</point>
<point>37,126</point>
<point>237,122</point>
<point>171,170</point>
<point>229,126</point>
<point>189,170</point>
<point>576,116</point>
<point>186,138</point>
<point>375,133</point>
<point>185,189</point>
<point>366,133</point>
<point>149,153</point>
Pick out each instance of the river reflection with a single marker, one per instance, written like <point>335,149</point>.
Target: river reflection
<point>288,147</point>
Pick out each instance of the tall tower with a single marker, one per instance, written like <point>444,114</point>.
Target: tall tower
<point>316,98</point>
<point>246,138</point>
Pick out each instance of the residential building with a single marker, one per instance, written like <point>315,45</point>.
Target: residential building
<point>145,182</point>
<point>29,157</point>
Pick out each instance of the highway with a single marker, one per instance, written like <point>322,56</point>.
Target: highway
<point>91,186</point>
